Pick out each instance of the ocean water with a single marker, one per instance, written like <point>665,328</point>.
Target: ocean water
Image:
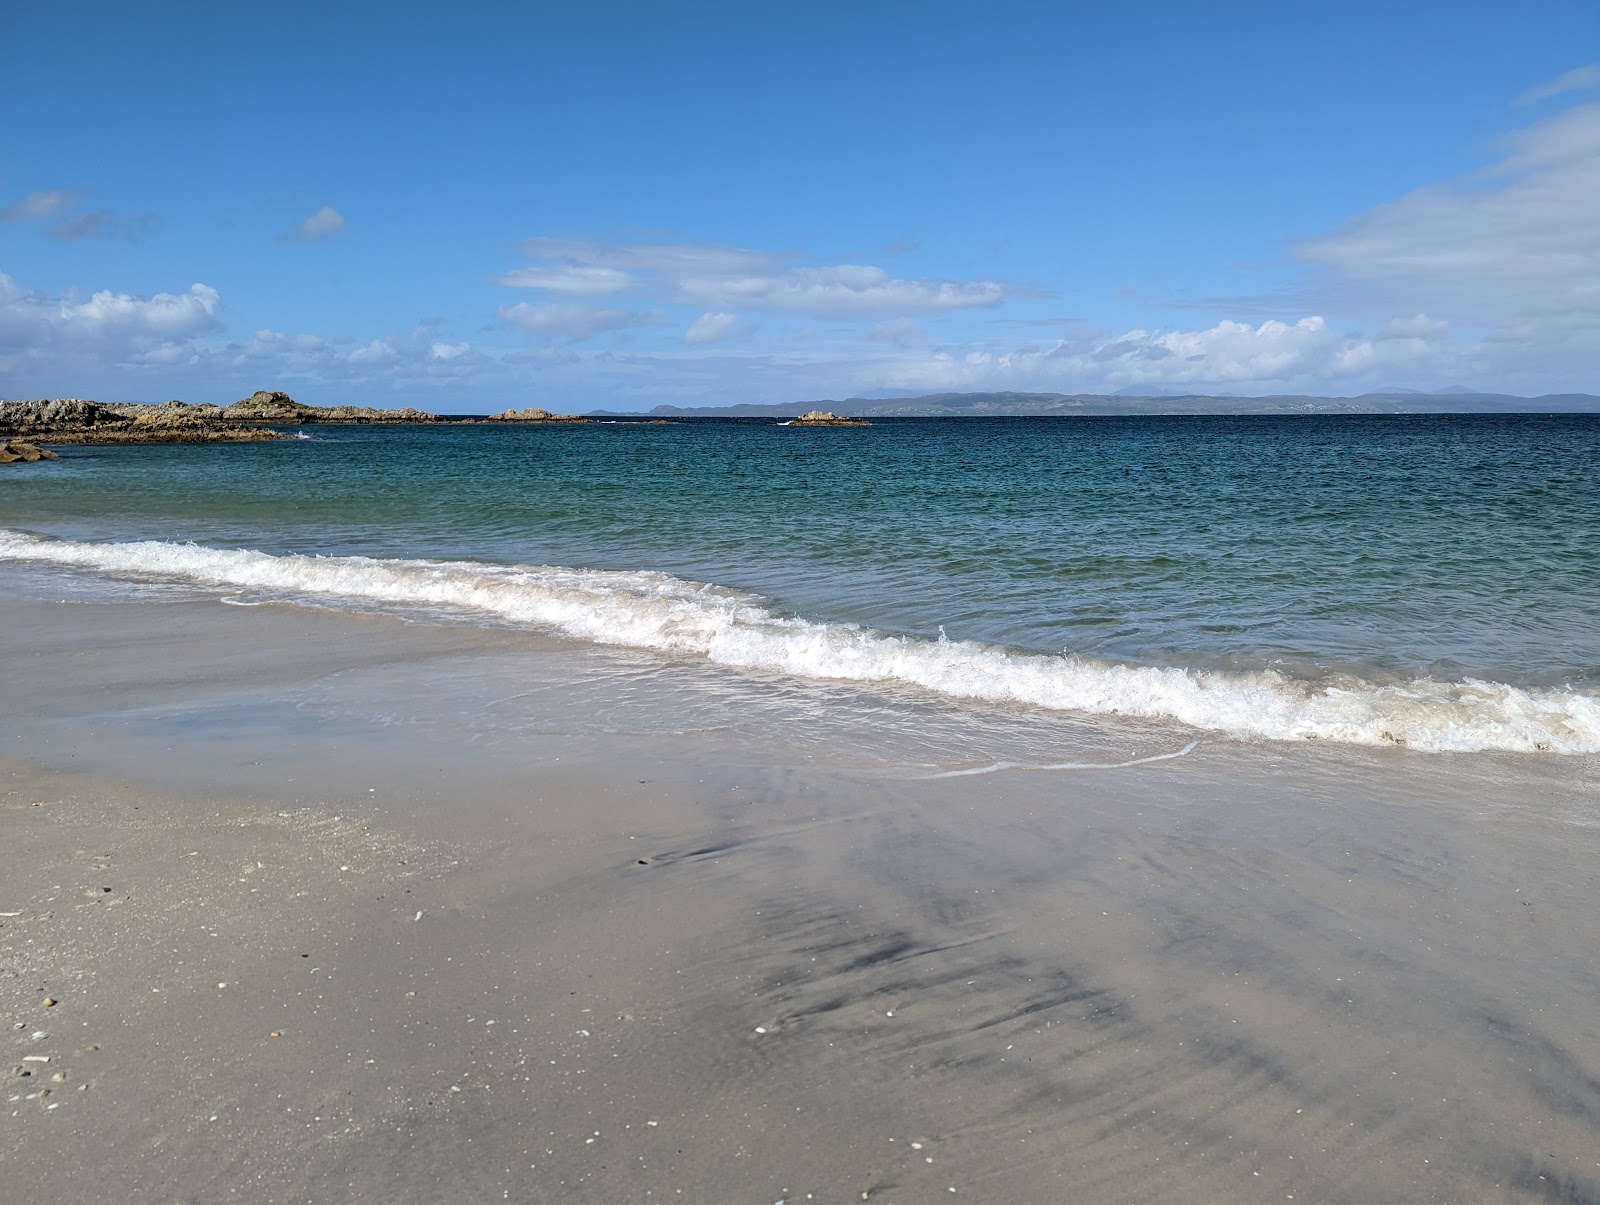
<point>1429,581</point>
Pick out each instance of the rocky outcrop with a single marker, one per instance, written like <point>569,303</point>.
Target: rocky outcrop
<point>60,414</point>
<point>75,421</point>
<point>825,418</point>
<point>535,415</point>
<point>266,406</point>
<point>15,451</point>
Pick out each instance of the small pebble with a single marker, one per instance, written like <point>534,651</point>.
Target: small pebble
<point>276,1033</point>
<point>49,1001</point>
<point>60,1077</point>
<point>761,1029</point>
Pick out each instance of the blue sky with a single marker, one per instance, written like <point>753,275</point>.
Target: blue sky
<point>465,207</point>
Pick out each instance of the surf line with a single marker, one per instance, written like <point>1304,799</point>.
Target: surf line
<point>1066,765</point>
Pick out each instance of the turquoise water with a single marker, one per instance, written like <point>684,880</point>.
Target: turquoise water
<point>1442,572</point>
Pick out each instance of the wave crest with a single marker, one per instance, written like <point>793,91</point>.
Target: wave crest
<point>672,615</point>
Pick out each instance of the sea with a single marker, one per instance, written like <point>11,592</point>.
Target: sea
<point>992,585</point>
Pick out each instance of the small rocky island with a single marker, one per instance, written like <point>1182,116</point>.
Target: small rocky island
<point>535,415</point>
<point>13,451</point>
<point>825,418</point>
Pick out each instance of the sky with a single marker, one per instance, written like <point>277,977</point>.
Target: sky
<point>612,205</point>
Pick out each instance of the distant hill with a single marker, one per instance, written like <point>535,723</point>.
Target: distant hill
<point>935,405</point>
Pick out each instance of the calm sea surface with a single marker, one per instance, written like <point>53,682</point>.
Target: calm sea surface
<point>1433,581</point>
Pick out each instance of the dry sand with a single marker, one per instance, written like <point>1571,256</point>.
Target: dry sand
<point>685,966</point>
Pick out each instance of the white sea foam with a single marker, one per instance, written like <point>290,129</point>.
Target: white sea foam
<point>671,615</point>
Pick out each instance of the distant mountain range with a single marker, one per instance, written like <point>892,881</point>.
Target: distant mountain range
<point>936,405</point>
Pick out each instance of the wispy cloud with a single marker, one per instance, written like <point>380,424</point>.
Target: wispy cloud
<point>1512,248</point>
<point>1579,79</point>
<point>731,280</point>
<point>583,280</point>
<point>104,223</point>
<point>326,223</point>
<point>39,205</point>
<point>714,328</point>
<point>574,322</point>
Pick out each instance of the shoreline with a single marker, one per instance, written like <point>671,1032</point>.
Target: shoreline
<point>1248,973</point>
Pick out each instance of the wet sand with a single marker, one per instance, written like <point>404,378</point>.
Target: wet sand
<point>656,965</point>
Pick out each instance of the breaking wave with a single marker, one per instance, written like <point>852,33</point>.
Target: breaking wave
<point>668,614</point>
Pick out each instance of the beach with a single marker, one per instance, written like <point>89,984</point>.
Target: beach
<point>560,948</point>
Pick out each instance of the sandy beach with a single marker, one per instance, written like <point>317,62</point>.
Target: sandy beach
<point>307,940</point>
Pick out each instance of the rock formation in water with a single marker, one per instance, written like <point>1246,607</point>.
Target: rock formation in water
<point>75,421</point>
<point>826,418</point>
<point>15,451</point>
<point>274,407</point>
<point>535,415</point>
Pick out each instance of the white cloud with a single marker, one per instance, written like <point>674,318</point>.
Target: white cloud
<point>165,355</point>
<point>714,328</point>
<point>573,322</point>
<point>1579,79</point>
<point>1513,248</point>
<point>448,351</point>
<point>375,352</point>
<point>326,223</point>
<point>37,318</point>
<point>732,279</point>
<point>39,205</point>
